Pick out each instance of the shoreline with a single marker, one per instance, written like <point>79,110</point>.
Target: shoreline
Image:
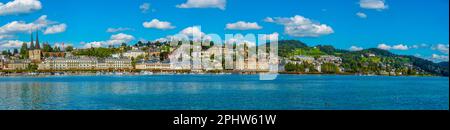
<point>150,73</point>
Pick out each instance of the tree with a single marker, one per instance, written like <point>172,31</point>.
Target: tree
<point>56,49</point>
<point>329,68</point>
<point>32,67</point>
<point>96,52</point>
<point>5,52</point>
<point>69,48</point>
<point>139,44</point>
<point>293,67</point>
<point>47,48</point>
<point>16,51</point>
<point>133,62</point>
<point>123,45</point>
<point>24,51</point>
<point>47,55</point>
<point>158,43</point>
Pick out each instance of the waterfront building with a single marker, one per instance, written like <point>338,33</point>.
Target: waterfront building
<point>85,63</point>
<point>68,54</point>
<point>1,64</point>
<point>228,57</point>
<point>154,52</point>
<point>330,59</point>
<point>35,55</point>
<point>263,66</point>
<point>369,55</point>
<point>102,65</point>
<point>252,64</point>
<point>2,57</point>
<point>153,65</point>
<point>118,63</point>
<point>134,53</point>
<point>70,63</point>
<point>180,58</point>
<point>302,58</point>
<point>116,55</point>
<point>212,58</point>
<point>17,64</point>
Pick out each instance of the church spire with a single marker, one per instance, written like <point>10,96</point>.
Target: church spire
<point>37,41</point>
<point>31,42</point>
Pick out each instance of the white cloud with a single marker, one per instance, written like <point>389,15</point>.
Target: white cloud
<point>60,45</point>
<point>11,44</point>
<point>241,40</point>
<point>373,4</point>
<point>299,26</point>
<point>400,47</point>
<point>56,29</point>
<point>355,48</point>
<point>161,40</point>
<point>120,29</point>
<point>221,4</point>
<point>441,47</point>
<point>155,23</point>
<point>269,19</point>
<point>418,46</point>
<point>395,47</point>
<point>114,40</point>
<point>439,57</point>
<point>418,55</point>
<point>42,22</point>
<point>20,7</point>
<point>120,38</point>
<point>23,27</point>
<point>6,36</point>
<point>95,44</point>
<point>361,15</point>
<point>192,31</point>
<point>423,45</point>
<point>144,7</point>
<point>242,25</point>
<point>384,46</point>
<point>275,34</point>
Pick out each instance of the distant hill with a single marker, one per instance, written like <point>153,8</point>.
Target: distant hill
<point>429,66</point>
<point>358,62</point>
<point>443,64</point>
<point>287,46</point>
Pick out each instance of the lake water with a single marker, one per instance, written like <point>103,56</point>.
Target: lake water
<point>224,92</point>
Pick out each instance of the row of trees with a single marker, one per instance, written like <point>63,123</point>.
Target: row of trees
<point>303,67</point>
<point>97,52</point>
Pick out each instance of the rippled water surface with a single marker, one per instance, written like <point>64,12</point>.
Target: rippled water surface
<point>224,92</point>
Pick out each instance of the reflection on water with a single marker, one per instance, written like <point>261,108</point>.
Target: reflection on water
<point>187,92</point>
<point>15,95</point>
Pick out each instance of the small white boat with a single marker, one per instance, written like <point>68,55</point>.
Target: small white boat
<point>146,73</point>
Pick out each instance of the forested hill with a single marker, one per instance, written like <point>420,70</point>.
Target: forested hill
<point>358,62</point>
<point>444,64</point>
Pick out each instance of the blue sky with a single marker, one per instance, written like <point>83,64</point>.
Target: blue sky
<point>413,27</point>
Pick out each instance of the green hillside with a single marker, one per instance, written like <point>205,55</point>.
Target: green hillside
<point>368,61</point>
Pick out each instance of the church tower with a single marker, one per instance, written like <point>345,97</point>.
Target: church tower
<point>31,42</point>
<point>37,41</point>
<point>35,53</point>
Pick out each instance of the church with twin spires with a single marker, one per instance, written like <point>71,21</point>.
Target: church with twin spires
<point>35,52</point>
